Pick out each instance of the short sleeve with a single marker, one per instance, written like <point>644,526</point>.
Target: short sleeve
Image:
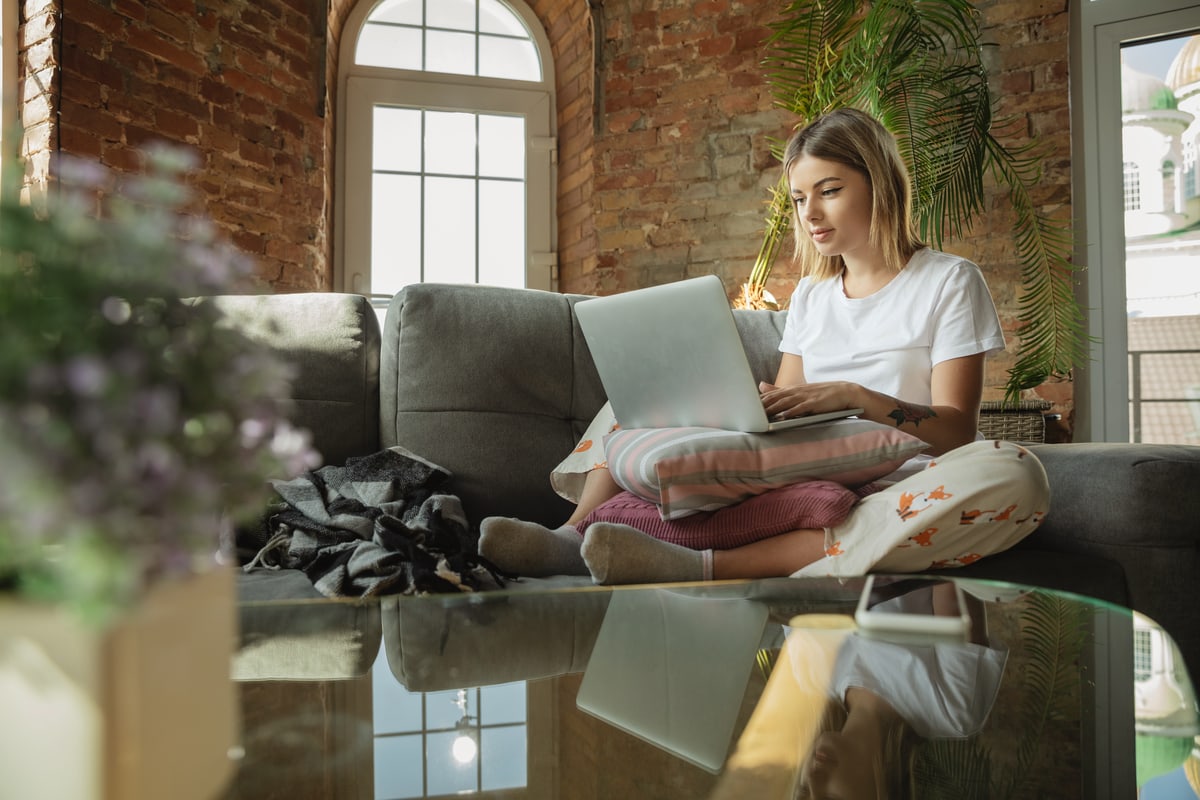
<point>965,321</point>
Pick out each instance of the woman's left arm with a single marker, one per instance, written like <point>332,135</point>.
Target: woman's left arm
<point>950,421</point>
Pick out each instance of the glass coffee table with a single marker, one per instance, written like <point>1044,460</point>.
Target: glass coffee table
<point>746,689</point>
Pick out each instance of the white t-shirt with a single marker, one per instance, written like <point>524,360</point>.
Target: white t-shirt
<point>937,308</point>
<point>942,690</point>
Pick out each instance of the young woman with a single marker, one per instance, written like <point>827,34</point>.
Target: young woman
<point>877,321</point>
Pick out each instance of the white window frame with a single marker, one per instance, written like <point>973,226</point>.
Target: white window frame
<point>1099,28</point>
<point>361,88</point>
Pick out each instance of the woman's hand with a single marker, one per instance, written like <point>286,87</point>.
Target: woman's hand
<point>948,422</point>
<point>786,402</point>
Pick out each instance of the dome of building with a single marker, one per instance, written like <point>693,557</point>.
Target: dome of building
<point>1142,92</point>
<point>1185,69</point>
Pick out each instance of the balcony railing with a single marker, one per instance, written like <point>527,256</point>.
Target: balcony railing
<point>1137,401</point>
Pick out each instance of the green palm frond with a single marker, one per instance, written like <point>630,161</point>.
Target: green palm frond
<point>916,66</point>
<point>1053,631</point>
<point>954,769</point>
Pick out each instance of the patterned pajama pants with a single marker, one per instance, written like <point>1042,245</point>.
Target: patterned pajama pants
<point>976,500</point>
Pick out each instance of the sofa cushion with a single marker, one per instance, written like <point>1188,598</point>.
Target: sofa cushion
<point>332,341</point>
<point>493,384</point>
<point>689,470</point>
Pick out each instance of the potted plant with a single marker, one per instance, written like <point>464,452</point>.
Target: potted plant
<point>916,65</point>
<point>136,425</point>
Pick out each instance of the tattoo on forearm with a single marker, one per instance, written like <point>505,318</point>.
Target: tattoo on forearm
<point>910,412</point>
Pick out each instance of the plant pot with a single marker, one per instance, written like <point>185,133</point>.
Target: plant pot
<point>143,709</point>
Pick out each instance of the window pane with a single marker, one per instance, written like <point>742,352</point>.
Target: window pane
<point>449,143</point>
<point>395,232</point>
<point>450,233</point>
<point>398,767</point>
<point>503,703</point>
<point>502,146</point>
<point>456,14</point>
<point>451,52</point>
<point>441,709</point>
<point>514,59</point>
<point>396,710</point>
<point>388,46</point>
<point>396,139</point>
<point>502,235</point>
<point>447,776</point>
<point>404,12</point>
<point>502,751</point>
<point>494,17</point>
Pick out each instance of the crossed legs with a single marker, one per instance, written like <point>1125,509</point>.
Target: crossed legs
<point>613,553</point>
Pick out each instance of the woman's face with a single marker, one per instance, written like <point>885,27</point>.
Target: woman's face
<point>840,767</point>
<point>833,205</point>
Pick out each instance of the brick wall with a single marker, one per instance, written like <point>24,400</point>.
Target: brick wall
<point>681,154</point>
<point>241,84</point>
<point>664,123</point>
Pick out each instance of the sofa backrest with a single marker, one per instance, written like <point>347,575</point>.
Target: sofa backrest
<point>332,341</point>
<point>497,386</point>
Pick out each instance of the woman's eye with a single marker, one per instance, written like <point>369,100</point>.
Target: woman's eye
<point>830,192</point>
<point>799,201</point>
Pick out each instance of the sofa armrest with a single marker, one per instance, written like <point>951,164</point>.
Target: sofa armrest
<point>332,341</point>
<point>1137,505</point>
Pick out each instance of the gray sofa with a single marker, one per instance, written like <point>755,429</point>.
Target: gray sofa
<point>496,385</point>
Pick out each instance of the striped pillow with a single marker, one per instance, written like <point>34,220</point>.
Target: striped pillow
<point>687,470</point>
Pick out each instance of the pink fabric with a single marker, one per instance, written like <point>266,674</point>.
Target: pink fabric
<point>812,504</point>
<point>690,470</point>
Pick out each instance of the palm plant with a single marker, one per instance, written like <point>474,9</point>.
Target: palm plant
<point>916,65</point>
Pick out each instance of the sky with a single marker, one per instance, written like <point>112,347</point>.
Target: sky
<point>1153,58</point>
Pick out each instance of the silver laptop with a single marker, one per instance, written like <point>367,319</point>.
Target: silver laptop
<point>670,356</point>
<point>671,668</point>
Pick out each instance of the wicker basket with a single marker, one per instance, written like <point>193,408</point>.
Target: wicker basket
<point>1015,422</point>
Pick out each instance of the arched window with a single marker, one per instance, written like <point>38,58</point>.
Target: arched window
<point>446,147</point>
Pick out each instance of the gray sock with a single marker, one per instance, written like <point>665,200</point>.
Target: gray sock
<point>621,554</point>
<point>527,548</point>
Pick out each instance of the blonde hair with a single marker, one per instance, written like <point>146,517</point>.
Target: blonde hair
<point>894,767</point>
<point>857,140</point>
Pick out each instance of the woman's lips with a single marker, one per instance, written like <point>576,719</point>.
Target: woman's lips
<point>821,234</point>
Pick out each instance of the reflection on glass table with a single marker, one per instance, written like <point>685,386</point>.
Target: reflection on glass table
<point>696,690</point>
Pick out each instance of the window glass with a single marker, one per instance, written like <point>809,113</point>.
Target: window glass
<point>503,757</point>
<point>390,46</point>
<point>450,52</point>
<point>502,703</point>
<point>502,146</point>
<point>495,18</point>
<point>449,143</point>
<point>450,229</point>
<point>455,14</point>
<point>395,232</point>
<point>447,39</point>
<point>501,233</point>
<point>446,774</point>
<point>514,59</point>
<point>397,140</point>
<point>399,12</point>
<point>391,750</point>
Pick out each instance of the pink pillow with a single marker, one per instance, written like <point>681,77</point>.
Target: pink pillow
<point>812,504</point>
<point>688,470</point>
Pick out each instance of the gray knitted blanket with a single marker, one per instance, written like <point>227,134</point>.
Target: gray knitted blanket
<point>375,526</point>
